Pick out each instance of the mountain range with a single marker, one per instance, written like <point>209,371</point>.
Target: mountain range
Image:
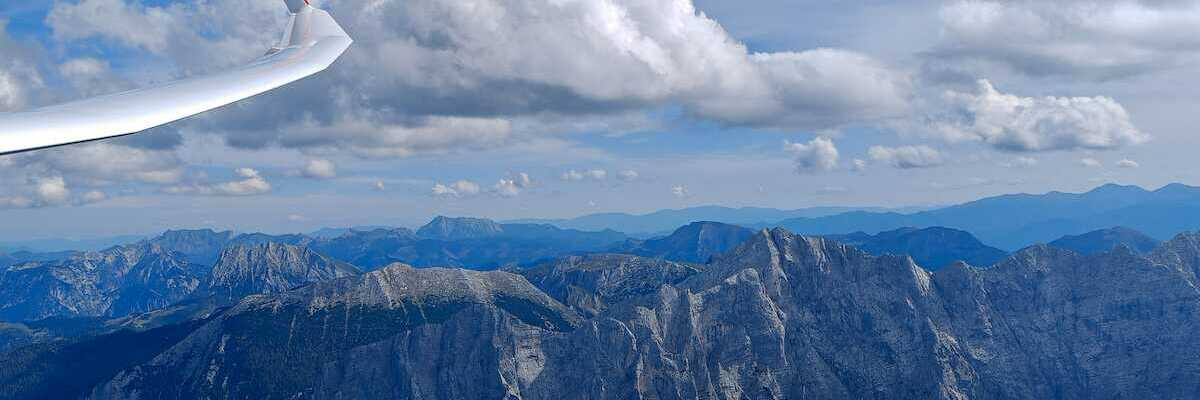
<point>659,222</point>
<point>778,316</point>
<point>1014,221</point>
<point>1107,239</point>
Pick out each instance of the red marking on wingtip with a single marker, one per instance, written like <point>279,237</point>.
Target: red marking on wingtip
<point>307,3</point>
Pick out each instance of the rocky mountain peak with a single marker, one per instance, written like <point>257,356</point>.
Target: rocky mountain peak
<point>446,228</point>
<point>271,268</point>
<point>589,284</point>
<point>1106,239</point>
<point>695,243</point>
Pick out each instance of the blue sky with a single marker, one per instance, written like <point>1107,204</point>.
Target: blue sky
<point>534,108</point>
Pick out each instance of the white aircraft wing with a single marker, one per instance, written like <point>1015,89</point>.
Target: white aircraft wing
<point>311,44</point>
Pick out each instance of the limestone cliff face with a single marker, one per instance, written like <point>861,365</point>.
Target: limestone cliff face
<point>780,317</point>
<point>271,268</point>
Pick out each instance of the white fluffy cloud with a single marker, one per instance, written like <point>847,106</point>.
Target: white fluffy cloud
<point>319,169</point>
<point>507,188</point>
<point>1096,38</point>
<point>458,189</point>
<point>513,185</point>
<point>104,163</point>
<point>19,78</point>
<point>1090,163</point>
<point>1012,123</point>
<point>52,192</point>
<point>48,191</point>
<point>628,175</point>
<point>250,183</point>
<point>819,154</point>
<point>1128,164</point>
<point>472,70</point>
<point>906,157</point>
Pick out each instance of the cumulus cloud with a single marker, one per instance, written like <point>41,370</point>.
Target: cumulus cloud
<point>522,180</point>
<point>513,185</point>
<point>52,191</point>
<point>458,189</point>
<point>319,169</point>
<point>1128,164</point>
<point>20,79</point>
<point>197,37</point>
<point>250,183</point>
<point>45,191</point>
<point>1098,39</point>
<point>906,157</point>
<point>507,188</point>
<point>102,164</point>
<point>628,175</point>
<point>1026,124</point>
<point>1090,163</point>
<point>473,70</point>
<point>819,154</point>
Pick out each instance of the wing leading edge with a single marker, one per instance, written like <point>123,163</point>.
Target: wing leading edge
<point>311,44</point>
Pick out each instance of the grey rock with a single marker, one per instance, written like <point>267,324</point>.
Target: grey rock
<point>780,317</point>
<point>695,243</point>
<point>589,284</point>
<point>271,268</point>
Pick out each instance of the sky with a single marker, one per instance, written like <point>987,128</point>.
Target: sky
<point>513,109</point>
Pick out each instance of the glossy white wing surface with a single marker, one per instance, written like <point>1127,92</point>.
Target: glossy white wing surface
<point>311,44</point>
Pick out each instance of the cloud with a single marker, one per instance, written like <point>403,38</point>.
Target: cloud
<point>513,185</point>
<point>628,175</point>
<point>90,76</point>
<point>859,165</point>
<point>94,196</point>
<point>52,192</point>
<point>522,180</point>
<point>1096,39</point>
<point>680,191</point>
<point>380,186</point>
<point>1020,162</point>
<point>1028,124</point>
<point>45,191</point>
<point>592,174</point>
<point>251,183</point>
<point>319,169</point>
<point>465,84</point>
<point>819,154</point>
<point>197,37</point>
<point>20,79</point>
<point>906,157</point>
<point>507,188</point>
<point>1128,164</point>
<point>102,164</point>
<point>1090,163</point>
<point>458,189</point>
